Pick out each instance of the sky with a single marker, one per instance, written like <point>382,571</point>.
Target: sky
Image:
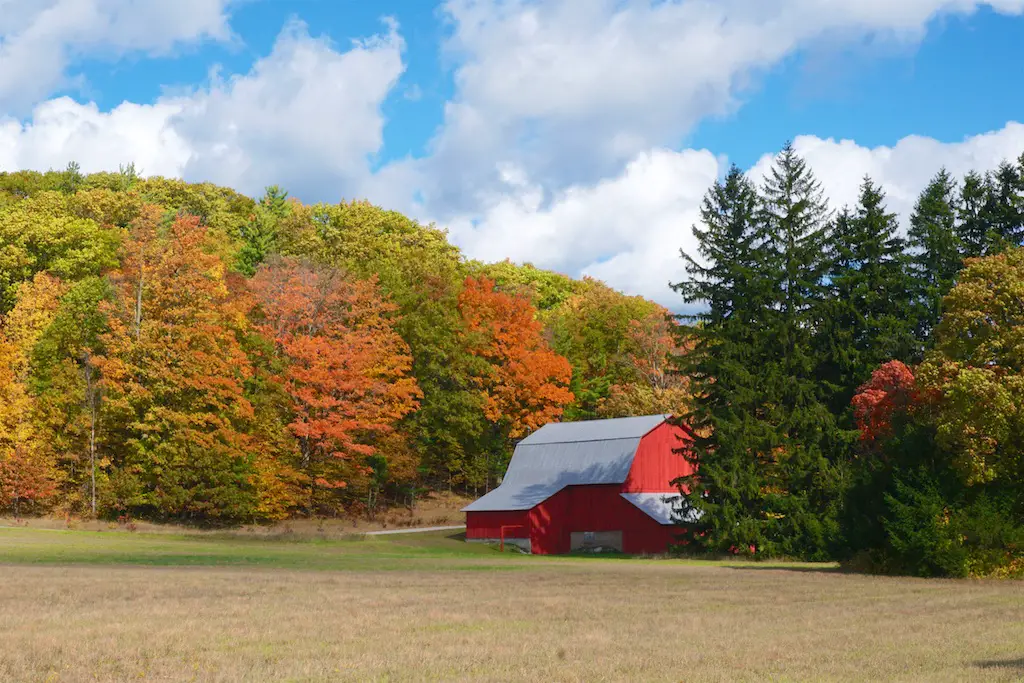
<point>577,135</point>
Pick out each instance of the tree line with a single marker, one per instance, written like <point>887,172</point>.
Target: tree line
<point>858,388</point>
<point>179,351</point>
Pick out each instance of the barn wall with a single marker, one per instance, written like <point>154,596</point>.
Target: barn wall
<point>594,508</point>
<point>488,524</point>
<point>655,465</point>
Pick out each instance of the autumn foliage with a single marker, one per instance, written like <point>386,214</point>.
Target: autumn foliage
<point>890,391</point>
<point>174,374</point>
<point>345,369</point>
<point>524,382</point>
<point>180,351</point>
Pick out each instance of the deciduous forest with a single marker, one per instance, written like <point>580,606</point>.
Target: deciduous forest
<point>181,352</point>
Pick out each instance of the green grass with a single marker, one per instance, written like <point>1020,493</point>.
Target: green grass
<point>420,551</point>
<point>413,551</point>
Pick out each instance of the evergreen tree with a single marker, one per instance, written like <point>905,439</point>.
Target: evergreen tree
<point>765,482</point>
<point>936,249</point>
<point>726,282</point>
<point>972,220</point>
<point>1004,207</point>
<point>793,228</point>
<point>260,234</point>
<point>870,311</point>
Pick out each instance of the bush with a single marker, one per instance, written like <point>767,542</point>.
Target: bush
<point>920,540</point>
<point>931,534</point>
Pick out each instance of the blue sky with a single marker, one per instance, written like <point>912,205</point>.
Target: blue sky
<point>576,134</point>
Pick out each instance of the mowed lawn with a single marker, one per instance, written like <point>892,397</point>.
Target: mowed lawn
<point>114,606</point>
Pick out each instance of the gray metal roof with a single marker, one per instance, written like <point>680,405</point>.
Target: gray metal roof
<point>567,454</point>
<point>664,508</point>
<point>595,430</point>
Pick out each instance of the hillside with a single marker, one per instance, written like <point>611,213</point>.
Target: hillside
<point>180,351</point>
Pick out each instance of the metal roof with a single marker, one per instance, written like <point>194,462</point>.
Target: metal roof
<point>595,430</point>
<point>567,454</point>
<point>664,508</point>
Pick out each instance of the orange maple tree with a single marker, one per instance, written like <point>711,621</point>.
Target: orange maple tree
<point>525,384</point>
<point>347,371</point>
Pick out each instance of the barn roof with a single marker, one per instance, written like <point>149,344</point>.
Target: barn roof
<point>664,508</point>
<point>567,454</point>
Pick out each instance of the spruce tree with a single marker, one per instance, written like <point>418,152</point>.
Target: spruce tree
<point>731,445</point>
<point>972,224</point>
<point>1004,207</point>
<point>870,310</point>
<point>936,250</point>
<point>793,228</point>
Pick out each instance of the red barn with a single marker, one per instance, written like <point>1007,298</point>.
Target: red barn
<point>575,485</point>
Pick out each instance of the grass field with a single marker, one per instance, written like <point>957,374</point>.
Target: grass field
<point>114,606</point>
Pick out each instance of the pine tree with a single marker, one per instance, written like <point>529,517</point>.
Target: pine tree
<point>870,311</point>
<point>1004,207</point>
<point>794,229</point>
<point>936,249</point>
<point>732,445</point>
<point>972,220</point>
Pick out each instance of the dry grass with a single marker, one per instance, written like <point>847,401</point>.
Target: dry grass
<point>522,618</point>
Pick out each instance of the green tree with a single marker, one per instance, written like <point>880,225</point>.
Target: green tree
<point>1004,206</point>
<point>36,236</point>
<point>972,219</point>
<point>592,329</point>
<point>794,228</point>
<point>978,369</point>
<point>66,380</point>
<point>733,446</point>
<point>260,234</point>
<point>546,289</point>
<point>936,249</point>
<point>869,314</point>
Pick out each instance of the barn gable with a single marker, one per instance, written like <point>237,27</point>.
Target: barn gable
<point>568,454</point>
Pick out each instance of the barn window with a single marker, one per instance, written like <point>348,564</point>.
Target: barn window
<point>595,540</point>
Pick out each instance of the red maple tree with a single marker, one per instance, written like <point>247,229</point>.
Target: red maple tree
<point>346,370</point>
<point>892,389</point>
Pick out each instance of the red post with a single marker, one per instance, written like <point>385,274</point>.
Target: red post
<point>502,533</point>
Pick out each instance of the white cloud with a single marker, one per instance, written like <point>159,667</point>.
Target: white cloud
<point>63,130</point>
<point>571,90</point>
<point>39,38</point>
<point>306,117</point>
<point>628,230</point>
<point>903,169</point>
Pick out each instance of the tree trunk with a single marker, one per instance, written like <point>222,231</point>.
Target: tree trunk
<point>138,305</point>
<point>91,397</point>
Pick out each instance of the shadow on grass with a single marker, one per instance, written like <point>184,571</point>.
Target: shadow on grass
<point>461,536</point>
<point>788,568</point>
<point>1016,665</point>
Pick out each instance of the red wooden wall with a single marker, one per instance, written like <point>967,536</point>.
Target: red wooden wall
<point>488,524</point>
<point>655,465</point>
<point>597,507</point>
